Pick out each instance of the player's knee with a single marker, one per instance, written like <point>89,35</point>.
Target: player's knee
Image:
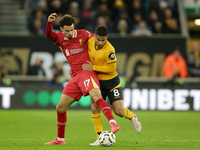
<point>95,109</point>
<point>60,109</point>
<point>95,94</point>
<point>119,112</point>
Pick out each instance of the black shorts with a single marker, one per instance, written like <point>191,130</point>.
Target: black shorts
<point>112,89</point>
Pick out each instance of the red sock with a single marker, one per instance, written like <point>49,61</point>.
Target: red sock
<point>61,123</point>
<point>105,108</point>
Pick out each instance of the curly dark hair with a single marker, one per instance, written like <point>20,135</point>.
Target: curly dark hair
<point>67,20</point>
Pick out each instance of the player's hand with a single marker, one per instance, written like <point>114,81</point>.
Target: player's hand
<point>88,66</point>
<point>52,17</point>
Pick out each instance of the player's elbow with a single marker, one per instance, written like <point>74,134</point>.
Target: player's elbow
<point>112,69</point>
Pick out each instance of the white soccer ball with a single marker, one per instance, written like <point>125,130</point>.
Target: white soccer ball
<point>107,138</point>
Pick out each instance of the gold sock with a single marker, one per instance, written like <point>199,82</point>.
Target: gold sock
<point>128,114</point>
<point>98,125</point>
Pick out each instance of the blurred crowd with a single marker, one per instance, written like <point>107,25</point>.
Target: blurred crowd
<point>125,17</point>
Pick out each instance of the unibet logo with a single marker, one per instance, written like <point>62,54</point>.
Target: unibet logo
<point>44,98</point>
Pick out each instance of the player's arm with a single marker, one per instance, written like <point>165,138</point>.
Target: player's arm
<point>109,68</point>
<point>49,33</point>
<point>110,65</point>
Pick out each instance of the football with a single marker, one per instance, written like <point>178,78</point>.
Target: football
<point>107,138</point>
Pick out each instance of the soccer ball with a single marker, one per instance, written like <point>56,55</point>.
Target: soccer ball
<point>107,138</point>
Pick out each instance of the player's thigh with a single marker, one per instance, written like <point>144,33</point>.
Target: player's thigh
<point>115,94</point>
<point>64,103</point>
<point>87,81</point>
<point>95,94</point>
<point>72,89</point>
<point>116,99</point>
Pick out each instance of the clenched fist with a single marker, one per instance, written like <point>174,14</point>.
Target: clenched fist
<point>52,17</point>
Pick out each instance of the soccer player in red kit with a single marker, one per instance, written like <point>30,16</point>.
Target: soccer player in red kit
<point>73,44</point>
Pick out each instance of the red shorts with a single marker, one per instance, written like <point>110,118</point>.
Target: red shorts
<point>81,84</point>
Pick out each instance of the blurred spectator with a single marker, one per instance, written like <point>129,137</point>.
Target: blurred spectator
<point>172,27</point>
<point>88,9</point>
<point>153,17</point>
<point>76,13</point>
<point>38,27</point>
<point>118,5</point>
<point>122,28</point>
<point>101,21</point>
<point>157,27</point>
<point>135,6</point>
<point>37,22</point>
<point>151,5</point>
<point>31,6</point>
<point>124,15</point>
<point>58,77</point>
<point>137,17</point>
<point>142,29</point>
<point>168,3</point>
<point>55,6</point>
<point>109,3</point>
<point>194,60</point>
<point>36,69</point>
<point>175,65</point>
<point>103,11</point>
<point>170,23</point>
<point>86,13</point>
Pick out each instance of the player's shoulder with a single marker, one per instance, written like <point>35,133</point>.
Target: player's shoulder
<point>110,46</point>
<point>60,34</point>
<point>83,32</point>
<point>92,39</point>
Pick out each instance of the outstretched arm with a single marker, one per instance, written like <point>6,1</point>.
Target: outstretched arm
<point>49,33</point>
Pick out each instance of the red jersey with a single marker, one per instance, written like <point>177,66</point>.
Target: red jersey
<point>74,49</point>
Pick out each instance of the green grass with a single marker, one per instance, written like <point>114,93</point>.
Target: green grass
<point>30,129</point>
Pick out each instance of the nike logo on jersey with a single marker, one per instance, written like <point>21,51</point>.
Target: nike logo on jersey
<point>65,43</point>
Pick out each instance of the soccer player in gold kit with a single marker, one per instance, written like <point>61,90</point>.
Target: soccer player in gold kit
<point>103,61</point>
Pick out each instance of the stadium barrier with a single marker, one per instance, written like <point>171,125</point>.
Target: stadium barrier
<point>149,94</point>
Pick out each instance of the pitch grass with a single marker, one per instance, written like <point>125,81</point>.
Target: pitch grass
<point>30,129</point>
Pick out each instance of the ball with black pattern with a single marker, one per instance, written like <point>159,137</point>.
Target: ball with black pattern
<point>107,138</point>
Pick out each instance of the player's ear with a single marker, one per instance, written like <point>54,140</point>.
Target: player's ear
<point>61,29</point>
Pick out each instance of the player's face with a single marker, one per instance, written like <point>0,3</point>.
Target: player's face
<point>100,41</point>
<point>68,31</point>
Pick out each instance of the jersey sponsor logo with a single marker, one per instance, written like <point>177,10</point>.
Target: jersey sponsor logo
<point>73,51</point>
<point>86,83</point>
<point>78,50</point>
<point>67,52</point>
<point>65,43</point>
<point>80,41</point>
<point>112,56</point>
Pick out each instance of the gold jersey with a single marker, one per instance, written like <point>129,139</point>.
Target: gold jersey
<point>104,60</point>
